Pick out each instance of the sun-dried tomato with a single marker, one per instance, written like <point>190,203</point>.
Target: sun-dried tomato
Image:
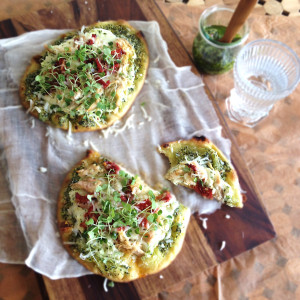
<point>165,196</point>
<point>204,191</point>
<point>144,205</point>
<point>144,223</point>
<point>111,167</point>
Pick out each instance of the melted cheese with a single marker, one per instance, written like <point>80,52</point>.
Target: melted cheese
<point>183,175</point>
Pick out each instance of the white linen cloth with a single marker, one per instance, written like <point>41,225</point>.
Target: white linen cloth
<point>35,157</point>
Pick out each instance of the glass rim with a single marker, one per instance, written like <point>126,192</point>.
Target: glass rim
<point>280,93</point>
<point>209,11</point>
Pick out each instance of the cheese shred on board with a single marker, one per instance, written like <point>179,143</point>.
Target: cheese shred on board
<point>115,224</point>
<point>88,78</point>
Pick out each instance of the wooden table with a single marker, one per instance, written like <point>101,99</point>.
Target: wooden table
<point>202,247</point>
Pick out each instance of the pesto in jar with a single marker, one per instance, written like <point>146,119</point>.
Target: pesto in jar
<point>210,55</point>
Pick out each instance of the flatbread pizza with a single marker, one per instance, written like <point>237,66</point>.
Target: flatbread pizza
<point>87,79</point>
<point>199,165</point>
<point>114,224</point>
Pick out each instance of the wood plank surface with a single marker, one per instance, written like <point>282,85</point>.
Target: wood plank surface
<point>246,228</point>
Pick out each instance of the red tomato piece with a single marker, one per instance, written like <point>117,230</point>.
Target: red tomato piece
<point>165,196</point>
<point>193,167</point>
<point>143,205</point>
<point>81,199</point>
<point>145,223</point>
<point>111,167</point>
<point>203,190</point>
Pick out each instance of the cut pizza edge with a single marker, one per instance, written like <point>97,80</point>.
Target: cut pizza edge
<point>200,165</point>
<point>156,263</point>
<point>75,126</point>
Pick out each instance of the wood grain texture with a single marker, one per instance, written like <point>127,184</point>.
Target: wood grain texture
<point>244,230</point>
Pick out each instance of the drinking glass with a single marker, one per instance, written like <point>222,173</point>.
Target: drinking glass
<point>265,71</point>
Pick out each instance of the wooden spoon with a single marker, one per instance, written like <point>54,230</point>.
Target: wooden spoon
<point>238,19</point>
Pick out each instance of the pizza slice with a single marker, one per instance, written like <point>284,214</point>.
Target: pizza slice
<point>199,165</point>
<point>114,224</point>
<point>86,79</point>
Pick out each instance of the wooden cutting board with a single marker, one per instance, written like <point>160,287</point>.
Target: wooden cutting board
<point>245,229</point>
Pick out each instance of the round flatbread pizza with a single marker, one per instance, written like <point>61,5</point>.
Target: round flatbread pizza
<point>200,165</point>
<point>87,79</point>
<point>114,224</point>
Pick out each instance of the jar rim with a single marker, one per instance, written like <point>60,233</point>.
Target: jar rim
<point>207,12</point>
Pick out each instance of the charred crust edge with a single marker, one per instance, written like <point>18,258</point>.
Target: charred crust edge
<point>89,152</point>
<point>201,138</point>
<point>166,145</point>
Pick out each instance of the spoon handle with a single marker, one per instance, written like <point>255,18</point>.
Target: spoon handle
<point>238,19</point>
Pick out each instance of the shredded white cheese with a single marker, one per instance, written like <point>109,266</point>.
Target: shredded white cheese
<point>161,276</point>
<point>223,245</point>
<point>43,170</point>
<point>227,216</point>
<point>47,131</point>
<point>115,130</point>
<point>86,143</point>
<point>243,235</point>
<point>93,146</point>
<point>32,123</point>
<point>145,114</point>
<point>204,224</point>
<point>30,106</point>
<point>69,134</point>
<point>105,285</point>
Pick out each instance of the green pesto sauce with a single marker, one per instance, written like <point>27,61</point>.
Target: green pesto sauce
<point>214,161</point>
<point>210,59</point>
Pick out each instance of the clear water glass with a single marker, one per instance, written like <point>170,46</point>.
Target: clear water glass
<point>265,71</point>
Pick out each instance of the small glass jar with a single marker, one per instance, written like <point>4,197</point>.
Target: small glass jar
<point>210,55</point>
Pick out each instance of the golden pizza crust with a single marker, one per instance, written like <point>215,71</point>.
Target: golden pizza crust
<point>141,267</point>
<point>113,117</point>
<point>197,143</point>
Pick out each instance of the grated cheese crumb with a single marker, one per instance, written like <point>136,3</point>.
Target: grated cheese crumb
<point>69,134</point>
<point>30,106</point>
<point>93,146</point>
<point>47,131</point>
<point>227,216</point>
<point>204,224</point>
<point>146,116</point>
<point>32,122</point>
<point>115,130</point>
<point>105,285</point>
<point>223,245</point>
<point>161,276</point>
<point>43,170</point>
